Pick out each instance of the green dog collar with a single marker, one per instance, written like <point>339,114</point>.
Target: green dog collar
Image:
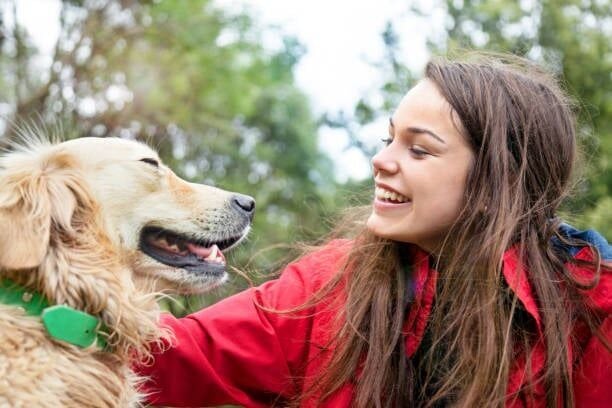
<point>61,322</point>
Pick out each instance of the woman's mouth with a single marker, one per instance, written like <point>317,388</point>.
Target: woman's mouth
<point>385,200</point>
<point>388,196</point>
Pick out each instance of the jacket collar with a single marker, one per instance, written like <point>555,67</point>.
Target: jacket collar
<point>424,279</point>
<point>516,277</point>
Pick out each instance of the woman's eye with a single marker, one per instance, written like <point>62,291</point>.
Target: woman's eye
<point>418,153</point>
<point>387,140</point>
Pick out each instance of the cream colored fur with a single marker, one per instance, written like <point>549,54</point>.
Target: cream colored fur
<point>70,219</point>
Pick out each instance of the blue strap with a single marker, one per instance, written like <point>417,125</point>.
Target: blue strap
<point>591,236</point>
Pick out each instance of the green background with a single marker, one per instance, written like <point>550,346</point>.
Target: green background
<point>196,82</point>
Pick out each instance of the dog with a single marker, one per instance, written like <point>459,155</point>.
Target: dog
<point>92,230</point>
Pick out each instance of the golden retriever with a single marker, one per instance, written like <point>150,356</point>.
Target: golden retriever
<point>100,225</point>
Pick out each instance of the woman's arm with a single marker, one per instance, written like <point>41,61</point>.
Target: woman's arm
<point>236,353</point>
<point>228,353</point>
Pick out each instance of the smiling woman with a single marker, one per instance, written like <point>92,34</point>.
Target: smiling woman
<point>462,288</point>
<point>426,161</point>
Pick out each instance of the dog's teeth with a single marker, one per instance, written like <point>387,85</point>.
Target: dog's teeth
<point>216,255</point>
<point>213,253</point>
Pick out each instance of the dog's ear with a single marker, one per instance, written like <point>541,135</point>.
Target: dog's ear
<point>39,189</point>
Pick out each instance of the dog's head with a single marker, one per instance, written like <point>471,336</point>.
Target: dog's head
<point>172,230</point>
<point>102,224</point>
<point>166,229</point>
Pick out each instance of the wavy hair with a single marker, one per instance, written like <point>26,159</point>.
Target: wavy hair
<point>521,128</point>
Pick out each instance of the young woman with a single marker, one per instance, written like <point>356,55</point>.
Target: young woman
<point>461,289</point>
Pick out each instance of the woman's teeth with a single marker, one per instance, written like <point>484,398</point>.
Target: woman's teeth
<point>386,195</point>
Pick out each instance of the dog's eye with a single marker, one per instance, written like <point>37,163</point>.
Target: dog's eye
<point>150,161</point>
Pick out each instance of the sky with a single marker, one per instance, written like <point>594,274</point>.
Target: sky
<point>342,39</point>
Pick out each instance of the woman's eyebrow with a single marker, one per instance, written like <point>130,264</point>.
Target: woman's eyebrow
<point>413,129</point>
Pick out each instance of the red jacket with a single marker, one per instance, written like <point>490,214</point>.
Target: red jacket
<point>236,353</point>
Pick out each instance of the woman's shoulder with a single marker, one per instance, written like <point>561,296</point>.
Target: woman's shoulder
<point>321,263</point>
<point>328,254</point>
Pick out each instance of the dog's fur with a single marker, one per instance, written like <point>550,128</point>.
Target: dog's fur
<point>71,219</point>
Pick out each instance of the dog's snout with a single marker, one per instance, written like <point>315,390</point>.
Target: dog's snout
<point>244,204</point>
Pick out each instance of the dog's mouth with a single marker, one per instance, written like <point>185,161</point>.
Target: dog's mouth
<point>179,251</point>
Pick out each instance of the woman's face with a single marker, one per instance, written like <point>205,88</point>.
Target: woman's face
<point>420,175</point>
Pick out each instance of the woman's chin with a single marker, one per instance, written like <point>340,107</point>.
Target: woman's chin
<point>382,227</point>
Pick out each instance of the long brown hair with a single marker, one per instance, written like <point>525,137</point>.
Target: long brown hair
<point>522,130</point>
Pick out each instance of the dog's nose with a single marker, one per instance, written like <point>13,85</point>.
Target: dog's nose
<point>244,203</point>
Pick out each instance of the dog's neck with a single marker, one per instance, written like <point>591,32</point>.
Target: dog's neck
<point>61,322</point>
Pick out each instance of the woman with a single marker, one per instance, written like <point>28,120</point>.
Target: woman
<point>463,288</point>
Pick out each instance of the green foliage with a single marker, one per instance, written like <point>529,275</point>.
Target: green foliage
<point>198,84</point>
<point>570,37</point>
<point>600,215</point>
<point>217,97</point>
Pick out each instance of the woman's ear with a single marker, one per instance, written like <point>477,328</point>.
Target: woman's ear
<point>35,196</point>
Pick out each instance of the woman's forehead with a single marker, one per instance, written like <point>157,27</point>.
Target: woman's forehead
<point>424,106</point>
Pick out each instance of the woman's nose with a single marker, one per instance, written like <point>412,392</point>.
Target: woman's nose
<point>384,161</point>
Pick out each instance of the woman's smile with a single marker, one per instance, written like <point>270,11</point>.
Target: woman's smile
<point>385,199</point>
<point>425,160</point>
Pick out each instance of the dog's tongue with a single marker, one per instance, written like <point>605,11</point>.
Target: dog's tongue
<point>211,253</point>
<point>200,251</point>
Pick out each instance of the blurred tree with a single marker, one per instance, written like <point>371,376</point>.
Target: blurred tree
<point>211,90</point>
<point>571,37</point>
<point>395,79</point>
